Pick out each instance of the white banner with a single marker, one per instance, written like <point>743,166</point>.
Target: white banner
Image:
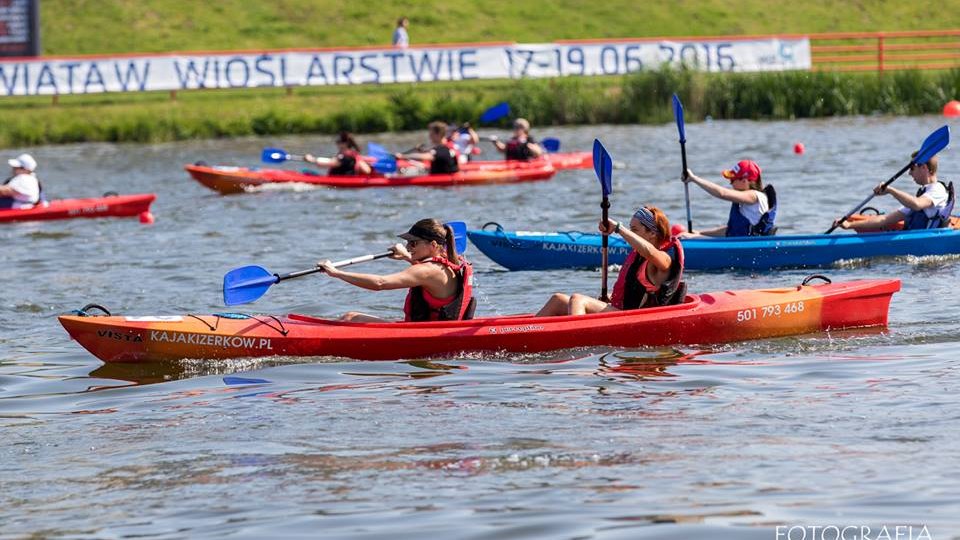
<point>145,73</point>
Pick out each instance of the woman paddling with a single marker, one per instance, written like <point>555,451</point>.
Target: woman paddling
<point>348,160</point>
<point>440,281</point>
<point>521,147</point>
<point>929,209</point>
<point>441,154</point>
<point>651,276</point>
<point>753,208</point>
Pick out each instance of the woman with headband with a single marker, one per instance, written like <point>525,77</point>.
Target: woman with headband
<point>753,208</point>
<point>651,276</point>
<point>440,281</point>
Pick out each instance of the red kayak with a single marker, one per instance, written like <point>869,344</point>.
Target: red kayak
<point>717,317</point>
<point>137,205</point>
<point>228,180</point>
<point>560,161</point>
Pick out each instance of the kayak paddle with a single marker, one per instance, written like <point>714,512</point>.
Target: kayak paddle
<point>495,113</point>
<point>603,166</point>
<point>678,113</point>
<point>934,143</point>
<point>278,155</point>
<point>550,144</point>
<point>248,283</point>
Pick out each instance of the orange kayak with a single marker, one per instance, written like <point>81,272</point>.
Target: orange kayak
<point>227,180</point>
<point>716,317</point>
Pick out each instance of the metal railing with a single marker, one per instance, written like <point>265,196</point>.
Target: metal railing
<point>885,51</point>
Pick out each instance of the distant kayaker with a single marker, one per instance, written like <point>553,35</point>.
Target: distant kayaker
<point>466,142</point>
<point>440,281</point>
<point>400,37</point>
<point>348,160</point>
<point>521,147</point>
<point>441,155</point>
<point>930,208</point>
<point>651,276</point>
<point>22,189</point>
<point>753,207</point>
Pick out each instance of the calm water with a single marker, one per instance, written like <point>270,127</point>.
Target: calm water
<point>848,430</point>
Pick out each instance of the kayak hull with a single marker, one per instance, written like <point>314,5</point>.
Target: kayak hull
<point>229,180</point>
<point>702,319</point>
<point>114,206</point>
<point>548,251</point>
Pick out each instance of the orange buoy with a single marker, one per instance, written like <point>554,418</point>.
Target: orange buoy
<point>146,218</point>
<point>798,148</point>
<point>952,109</point>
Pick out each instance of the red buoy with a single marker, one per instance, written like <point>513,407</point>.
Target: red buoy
<point>146,218</point>
<point>952,109</point>
<point>798,148</point>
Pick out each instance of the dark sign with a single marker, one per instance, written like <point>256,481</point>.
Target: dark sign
<point>19,27</point>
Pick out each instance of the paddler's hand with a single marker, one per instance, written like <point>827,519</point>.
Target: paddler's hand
<point>609,227</point>
<point>880,190</point>
<point>399,251</point>
<point>398,155</point>
<point>843,224</point>
<point>310,158</point>
<point>686,175</point>
<point>328,268</point>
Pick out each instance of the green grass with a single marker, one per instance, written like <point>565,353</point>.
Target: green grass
<point>110,26</point>
<point>120,26</point>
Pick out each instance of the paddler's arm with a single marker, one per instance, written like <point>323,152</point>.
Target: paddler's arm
<point>414,276</point>
<point>648,251</point>
<point>7,191</point>
<point>720,192</point>
<point>872,223</point>
<point>535,149</point>
<point>913,203</point>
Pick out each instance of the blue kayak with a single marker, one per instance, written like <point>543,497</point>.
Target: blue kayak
<point>547,251</point>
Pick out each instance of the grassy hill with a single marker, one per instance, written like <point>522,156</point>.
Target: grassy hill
<point>111,26</point>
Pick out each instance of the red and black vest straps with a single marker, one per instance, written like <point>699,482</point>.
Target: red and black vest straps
<point>629,291</point>
<point>418,308</point>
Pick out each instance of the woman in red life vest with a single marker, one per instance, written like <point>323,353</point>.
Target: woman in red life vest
<point>522,147</point>
<point>440,281</point>
<point>348,160</point>
<point>651,276</point>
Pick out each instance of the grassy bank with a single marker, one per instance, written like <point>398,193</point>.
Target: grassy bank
<point>639,98</point>
<point>109,26</point>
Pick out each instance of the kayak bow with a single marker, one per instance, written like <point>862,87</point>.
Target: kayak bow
<point>112,206</point>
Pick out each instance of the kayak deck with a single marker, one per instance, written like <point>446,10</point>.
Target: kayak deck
<point>716,317</point>
<point>229,180</point>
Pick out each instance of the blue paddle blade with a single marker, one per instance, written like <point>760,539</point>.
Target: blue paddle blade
<point>678,113</point>
<point>379,152</point>
<point>459,234</point>
<point>603,166</point>
<point>233,380</point>
<point>498,111</point>
<point>385,166</point>
<point>934,143</point>
<point>550,144</point>
<point>246,284</point>
<point>273,155</point>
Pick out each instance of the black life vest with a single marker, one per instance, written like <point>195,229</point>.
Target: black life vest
<point>460,307</point>
<point>519,151</point>
<point>738,225</point>
<point>444,160</point>
<point>347,166</point>
<point>917,219</point>
<point>629,292</point>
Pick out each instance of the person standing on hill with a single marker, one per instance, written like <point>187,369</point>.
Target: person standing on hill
<point>400,37</point>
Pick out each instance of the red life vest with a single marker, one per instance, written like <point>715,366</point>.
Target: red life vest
<point>422,306</point>
<point>519,151</point>
<point>633,289</point>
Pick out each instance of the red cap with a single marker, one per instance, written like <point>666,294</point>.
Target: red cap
<point>744,169</point>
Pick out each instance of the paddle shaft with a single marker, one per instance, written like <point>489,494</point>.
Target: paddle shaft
<point>338,264</point>
<point>868,199</point>
<point>686,185</point>
<point>605,209</point>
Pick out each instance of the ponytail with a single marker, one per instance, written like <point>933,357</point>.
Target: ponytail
<point>451,245</point>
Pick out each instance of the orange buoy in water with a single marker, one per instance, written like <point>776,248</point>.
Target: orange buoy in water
<point>798,148</point>
<point>952,109</point>
<point>146,218</point>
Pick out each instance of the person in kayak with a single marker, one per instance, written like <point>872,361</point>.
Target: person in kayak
<point>521,147</point>
<point>930,208</point>
<point>347,162</point>
<point>651,276</point>
<point>22,189</point>
<point>753,207</point>
<point>440,282</point>
<point>466,142</point>
<point>442,155</point>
